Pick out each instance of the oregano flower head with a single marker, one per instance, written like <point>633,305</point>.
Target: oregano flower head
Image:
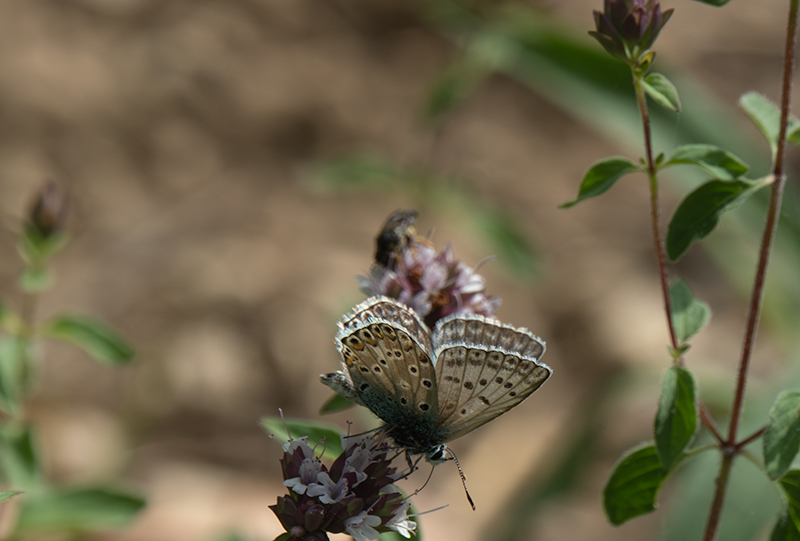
<point>627,29</point>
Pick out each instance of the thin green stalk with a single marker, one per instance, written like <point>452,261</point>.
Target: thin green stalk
<point>23,339</point>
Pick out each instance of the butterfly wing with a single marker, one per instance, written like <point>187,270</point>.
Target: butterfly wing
<point>387,355</point>
<point>483,369</point>
<point>381,308</point>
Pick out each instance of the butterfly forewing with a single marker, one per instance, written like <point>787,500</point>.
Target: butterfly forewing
<point>483,369</point>
<point>390,311</point>
<point>390,368</point>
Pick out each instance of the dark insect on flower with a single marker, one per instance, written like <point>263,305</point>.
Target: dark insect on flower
<point>627,29</point>
<point>434,284</point>
<point>397,232</point>
<point>49,210</point>
<point>356,495</point>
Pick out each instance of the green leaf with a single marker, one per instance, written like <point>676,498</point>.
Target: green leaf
<point>699,213</point>
<point>767,117</point>
<point>601,176</point>
<point>633,486</point>
<point>298,428</point>
<point>98,340</point>
<point>336,403</point>
<point>782,437</point>
<point>662,91</point>
<point>785,528</point>
<point>676,420</point>
<point>689,314</point>
<point>720,163</point>
<point>9,494</point>
<point>790,484</point>
<point>78,510</point>
<point>19,464</point>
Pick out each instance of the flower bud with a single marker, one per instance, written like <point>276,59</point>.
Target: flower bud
<point>49,210</point>
<point>627,29</point>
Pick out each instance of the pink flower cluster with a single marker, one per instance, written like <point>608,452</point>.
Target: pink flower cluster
<point>434,284</point>
<point>356,495</point>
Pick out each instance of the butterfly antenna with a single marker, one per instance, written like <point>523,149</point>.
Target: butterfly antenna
<point>463,477</point>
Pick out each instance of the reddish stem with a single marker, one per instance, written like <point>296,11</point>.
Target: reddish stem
<point>655,211</point>
<point>732,448</point>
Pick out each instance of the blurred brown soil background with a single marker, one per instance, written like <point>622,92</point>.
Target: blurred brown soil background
<point>185,131</point>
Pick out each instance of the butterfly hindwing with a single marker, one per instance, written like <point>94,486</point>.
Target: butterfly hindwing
<point>483,369</point>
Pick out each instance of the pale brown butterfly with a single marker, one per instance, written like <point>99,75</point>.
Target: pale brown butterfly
<point>430,388</point>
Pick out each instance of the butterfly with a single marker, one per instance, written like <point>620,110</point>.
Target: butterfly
<point>430,388</point>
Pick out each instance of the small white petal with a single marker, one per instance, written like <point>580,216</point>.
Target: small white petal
<point>362,526</point>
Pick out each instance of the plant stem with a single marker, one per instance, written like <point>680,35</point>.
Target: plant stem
<point>757,296</point>
<point>708,420</point>
<point>22,352</point>
<point>655,210</point>
<point>719,497</point>
<point>658,240</point>
<point>769,230</point>
<point>752,437</point>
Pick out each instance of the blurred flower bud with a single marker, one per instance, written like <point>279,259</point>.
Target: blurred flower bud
<point>628,28</point>
<point>49,211</point>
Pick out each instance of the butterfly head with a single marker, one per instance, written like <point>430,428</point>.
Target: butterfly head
<point>439,454</point>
